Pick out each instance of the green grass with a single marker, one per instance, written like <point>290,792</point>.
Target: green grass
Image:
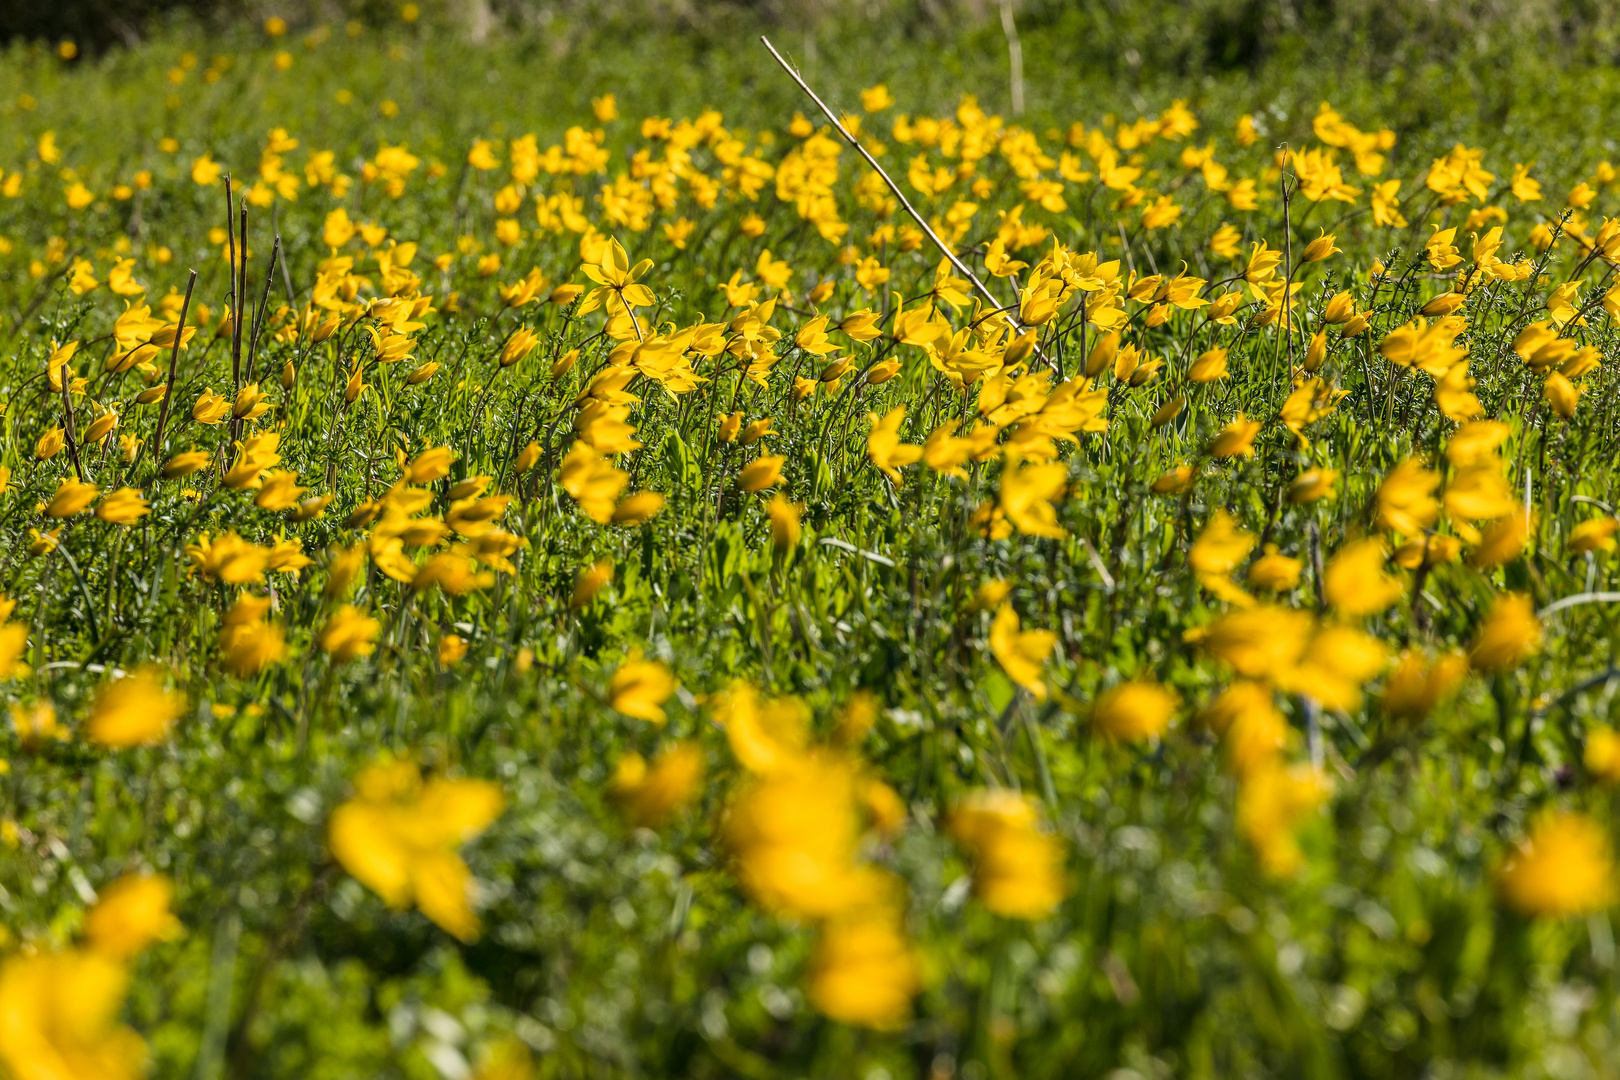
<point>608,950</point>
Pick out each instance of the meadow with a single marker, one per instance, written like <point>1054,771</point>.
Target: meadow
<point>529,561</point>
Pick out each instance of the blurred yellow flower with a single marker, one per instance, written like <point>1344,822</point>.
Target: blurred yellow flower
<point>590,583</point>
<point>762,473</point>
<point>785,528</point>
<point>131,914</point>
<point>1018,867</point>
<point>640,687</point>
<point>59,1018</point>
<point>136,710</point>
<point>1510,634</point>
<point>863,971</point>
<point>1564,867</point>
<point>648,795</point>
<point>1272,802</point>
<point>1133,711</point>
<point>398,836</point>
<point>349,633</point>
<point>1021,653</point>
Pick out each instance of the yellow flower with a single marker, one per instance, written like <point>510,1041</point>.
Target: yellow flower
<point>1560,394</point>
<point>1029,497</point>
<point>1133,711</point>
<point>876,98</point>
<point>229,559</point>
<point>518,346</point>
<point>1225,242</point>
<point>36,723</point>
<point>649,795</point>
<point>1479,492</point>
<point>50,444</point>
<point>1245,716</point>
<point>1320,248</point>
<point>278,490</point>
<point>482,156</point>
<point>399,834</point>
<point>883,445</point>
<point>1416,686</point>
<point>616,279</point>
<point>71,498</point>
<point>1406,502</point>
<point>768,737</point>
<point>527,458</point>
<point>785,527</point>
<point>1021,652</point>
<point>1220,547</point>
<point>137,710</point>
<point>1210,366</point>
<point>250,403</point>
<point>355,386</point>
<point>1175,481</point>
<point>1510,634</point>
<point>1337,661</point>
<point>638,509</point>
<point>429,465</point>
<point>1275,572</point>
<point>205,171</point>
<point>1502,542</point>
<point>474,517</point>
<point>100,428</point>
<point>1161,212</point>
<point>348,634</point>
<point>640,687</point>
<point>856,718</point>
<point>1260,642</point>
<point>990,594</point>
<point>1564,867</point>
<point>452,647</point>
<point>185,463</point>
<point>248,643</point>
<point>257,453</point>
<point>211,408</point>
<point>131,914</point>
<point>1596,534</point>
<point>1018,867</point>
<point>125,506</point>
<point>590,583</point>
<point>1311,485</point>
<point>1236,439</point>
<point>1355,582</point>
<point>59,1018</point>
<point>1602,757</point>
<point>864,971</point>
<point>592,481</point>
<point>1340,308</point>
<point>761,473</point>
<point>795,833</point>
<point>1272,801</point>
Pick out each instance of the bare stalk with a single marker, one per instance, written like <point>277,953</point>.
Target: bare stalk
<point>264,303</point>
<point>239,274</point>
<point>1015,57</point>
<point>67,420</point>
<point>174,365</point>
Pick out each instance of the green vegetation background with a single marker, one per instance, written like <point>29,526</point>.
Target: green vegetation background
<point>626,955</point>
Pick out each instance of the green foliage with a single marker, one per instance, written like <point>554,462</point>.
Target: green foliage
<point>611,951</point>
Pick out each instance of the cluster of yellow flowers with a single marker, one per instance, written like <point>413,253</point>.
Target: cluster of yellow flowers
<point>993,394</point>
<point>59,1009</point>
